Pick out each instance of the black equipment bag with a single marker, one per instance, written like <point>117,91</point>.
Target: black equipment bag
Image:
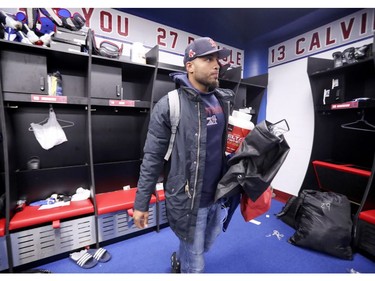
<point>289,213</point>
<point>324,223</point>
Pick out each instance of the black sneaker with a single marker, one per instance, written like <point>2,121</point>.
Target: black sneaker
<point>175,264</point>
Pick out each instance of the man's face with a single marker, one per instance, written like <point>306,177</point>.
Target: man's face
<point>204,72</point>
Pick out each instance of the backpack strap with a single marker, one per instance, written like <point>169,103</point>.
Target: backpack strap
<point>174,116</point>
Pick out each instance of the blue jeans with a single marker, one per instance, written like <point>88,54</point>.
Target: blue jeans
<point>209,226</point>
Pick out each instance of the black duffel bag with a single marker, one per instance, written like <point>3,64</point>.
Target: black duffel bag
<point>324,223</point>
<point>290,212</point>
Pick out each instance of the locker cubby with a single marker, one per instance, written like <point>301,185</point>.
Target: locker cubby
<point>343,152</point>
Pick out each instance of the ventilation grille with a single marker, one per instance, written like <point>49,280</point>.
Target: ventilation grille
<point>42,242</point>
<point>162,213</point>
<point>116,224</point>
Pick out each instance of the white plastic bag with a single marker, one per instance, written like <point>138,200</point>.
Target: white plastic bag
<point>49,134</point>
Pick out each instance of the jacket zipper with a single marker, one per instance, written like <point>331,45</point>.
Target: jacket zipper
<point>198,157</point>
<point>226,123</point>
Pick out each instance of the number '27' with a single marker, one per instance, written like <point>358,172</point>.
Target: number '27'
<point>162,36</point>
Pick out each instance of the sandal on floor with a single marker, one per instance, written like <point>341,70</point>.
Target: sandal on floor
<point>101,254</point>
<point>83,259</point>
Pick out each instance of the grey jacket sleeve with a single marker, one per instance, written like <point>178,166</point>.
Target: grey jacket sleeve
<point>156,145</point>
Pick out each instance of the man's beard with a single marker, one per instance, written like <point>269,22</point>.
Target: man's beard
<point>210,85</point>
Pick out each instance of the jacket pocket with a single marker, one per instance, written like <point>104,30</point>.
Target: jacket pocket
<point>177,192</point>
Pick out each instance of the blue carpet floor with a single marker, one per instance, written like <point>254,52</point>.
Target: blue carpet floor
<point>243,248</point>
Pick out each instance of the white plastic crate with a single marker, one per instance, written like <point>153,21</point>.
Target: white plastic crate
<point>116,224</point>
<point>45,241</point>
<point>3,254</point>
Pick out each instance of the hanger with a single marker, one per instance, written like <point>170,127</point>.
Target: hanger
<point>360,125</point>
<point>67,123</point>
<point>279,128</point>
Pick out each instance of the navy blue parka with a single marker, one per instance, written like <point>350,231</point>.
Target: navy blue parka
<point>183,173</point>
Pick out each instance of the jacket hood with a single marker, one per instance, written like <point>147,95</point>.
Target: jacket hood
<point>180,79</point>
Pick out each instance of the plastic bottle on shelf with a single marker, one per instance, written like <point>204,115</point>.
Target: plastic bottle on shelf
<point>138,53</point>
<point>238,128</point>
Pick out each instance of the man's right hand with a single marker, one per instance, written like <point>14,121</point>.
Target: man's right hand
<point>140,219</point>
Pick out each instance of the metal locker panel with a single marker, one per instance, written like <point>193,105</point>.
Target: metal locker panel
<point>24,73</point>
<point>116,224</point>
<point>3,254</point>
<point>162,213</point>
<point>106,82</point>
<point>45,241</point>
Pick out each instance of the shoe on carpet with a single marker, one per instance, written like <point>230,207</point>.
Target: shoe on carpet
<point>83,259</point>
<point>175,264</point>
<point>101,254</point>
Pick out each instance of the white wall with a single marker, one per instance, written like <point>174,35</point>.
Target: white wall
<point>289,97</point>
